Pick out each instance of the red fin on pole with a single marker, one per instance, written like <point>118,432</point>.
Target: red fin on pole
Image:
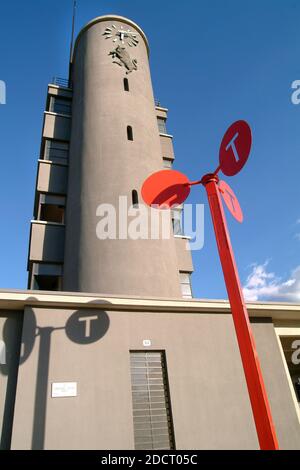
<point>165,189</point>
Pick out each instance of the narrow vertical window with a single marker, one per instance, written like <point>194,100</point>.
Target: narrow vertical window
<point>60,106</point>
<point>135,199</point>
<point>167,163</point>
<point>177,221</point>
<point>56,151</point>
<point>185,284</point>
<point>126,84</point>
<point>152,417</point>
<point>161,125</point>
<point>129,133</point>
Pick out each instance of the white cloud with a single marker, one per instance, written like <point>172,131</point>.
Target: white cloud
<point>264,285</point>
<point>297,235</point>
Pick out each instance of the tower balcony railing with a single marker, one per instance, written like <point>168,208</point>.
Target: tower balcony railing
<point>63,82</point>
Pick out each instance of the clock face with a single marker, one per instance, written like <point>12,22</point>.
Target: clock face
<point>125,36</point>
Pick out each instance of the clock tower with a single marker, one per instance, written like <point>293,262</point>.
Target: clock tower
<point>115,144</point>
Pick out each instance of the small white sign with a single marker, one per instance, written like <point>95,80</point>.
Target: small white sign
<point>147,342</point>
<point>64,389</point>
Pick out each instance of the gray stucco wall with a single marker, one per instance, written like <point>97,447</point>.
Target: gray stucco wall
<point>210,404</point>
<point>105,165</point>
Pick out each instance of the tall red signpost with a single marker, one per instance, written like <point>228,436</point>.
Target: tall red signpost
<point>167,188</point>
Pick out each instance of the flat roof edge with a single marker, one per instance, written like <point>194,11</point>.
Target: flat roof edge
<point>18,300</point>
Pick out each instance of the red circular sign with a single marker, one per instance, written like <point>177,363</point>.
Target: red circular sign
<point>235,148</point>
<point>231,201</point>
<point>165,189</point>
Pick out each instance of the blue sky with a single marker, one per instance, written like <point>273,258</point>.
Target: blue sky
<point>212,62</point>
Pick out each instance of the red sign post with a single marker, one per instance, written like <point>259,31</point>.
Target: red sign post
<point>168,187</point>
<point>257,393</point>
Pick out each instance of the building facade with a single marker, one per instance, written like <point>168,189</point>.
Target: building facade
<point>107,372</point>
<point>107,349</point>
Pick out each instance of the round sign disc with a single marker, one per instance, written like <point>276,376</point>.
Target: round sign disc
<point>165,189</point>
<point>235,148</point>
<point>231,201</point>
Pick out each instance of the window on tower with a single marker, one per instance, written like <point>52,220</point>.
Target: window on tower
<point>52,208</point>
<point>46,277</point>
<point>52,213</point>
<point>51,283</point>
<point>135,199</point>
<point>177,221</point>
<point>162,125</point>
<point>126,84</point>
<point>60,106</point>
<point>167,163</point>
<point>129,133</point>
<point>185,283</point>
<point>56,151</point>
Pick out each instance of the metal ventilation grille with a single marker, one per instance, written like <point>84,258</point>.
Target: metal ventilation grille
<point>153,428</point>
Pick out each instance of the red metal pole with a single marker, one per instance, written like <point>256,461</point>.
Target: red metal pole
<point>259,401</point>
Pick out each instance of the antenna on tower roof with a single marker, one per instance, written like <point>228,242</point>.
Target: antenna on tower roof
<point>72,36</point>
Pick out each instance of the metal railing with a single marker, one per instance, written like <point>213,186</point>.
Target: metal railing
<point>63,82</point>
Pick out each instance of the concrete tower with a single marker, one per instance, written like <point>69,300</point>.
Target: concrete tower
<point>117,139</point>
